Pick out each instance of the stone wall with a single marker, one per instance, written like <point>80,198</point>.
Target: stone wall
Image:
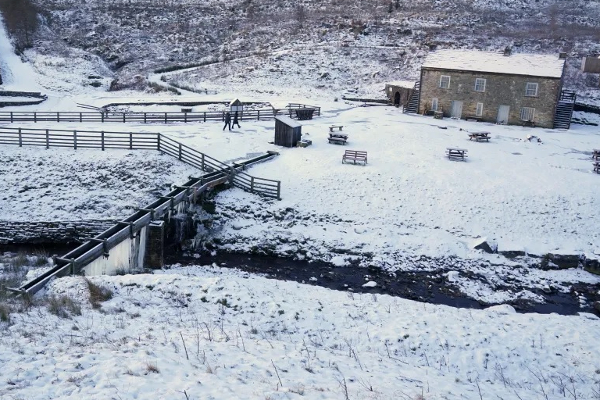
<point>64,232</point>
<point>499,90</point>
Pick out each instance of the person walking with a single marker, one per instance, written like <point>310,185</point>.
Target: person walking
<point>227,121</point>
<point>235,120</point>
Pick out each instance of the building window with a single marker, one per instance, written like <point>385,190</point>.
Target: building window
<point>527,113</point>
<point>434,104</point>
<point>445,82</point>
<point>479,110</point>
<point>531,89</point>
<point>391,89</point>
<point>480,85</point>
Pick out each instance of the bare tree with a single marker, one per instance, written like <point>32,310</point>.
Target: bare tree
<point>21,19</point>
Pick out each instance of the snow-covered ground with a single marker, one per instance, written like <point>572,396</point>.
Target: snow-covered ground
<point>212,333</point>
<point>206,332</point>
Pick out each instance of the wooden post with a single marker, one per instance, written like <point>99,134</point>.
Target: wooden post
<point>158,142</point>
<point>204,116</point>
<point>203,169</point>
<point>11,117</point>
<point>57,117</point>
<point>251,184</point>
<point>185,117</point>
<point>278,190</point>
<point>130,140</point>
<point>179,151</point>
<point>102,116</point>
<point>165,118</point>
<point>74,140</point>
<point>20,138</point>
<point>102,140</point>
<point>144,117</point>
<point>47,139</point>
<point>258,116</point>
<point>123,117</point>
<point>80,116</point>
<point>34,116</point>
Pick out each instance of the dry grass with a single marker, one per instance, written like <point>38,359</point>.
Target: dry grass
<point>63,306</point>
<point>98,294</point>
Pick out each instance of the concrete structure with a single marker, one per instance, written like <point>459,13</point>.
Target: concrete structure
<point>505,88</point>
<point>399,93</point>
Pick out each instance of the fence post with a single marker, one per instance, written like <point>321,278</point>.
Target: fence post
<point>80,117</point>
<point>258,116</point>
<point>34,116</point>
<point>252,184</point>
<point>11,117</point>
<point>130,140</point>
<point>144,117</point>
<point>58,117</point>
<point>47,139</point>
<point>203,169</point>
<point>204,116</point>
<point>158,142</point>
<point>102,116</point>
<point>75,140</point>
<point>165,118</point>
<point>123,117</point>
<point>179,151</point>
<point>185,117</point>
<point>278,190</point>
<point>20,138</point>
<point>102,140</point>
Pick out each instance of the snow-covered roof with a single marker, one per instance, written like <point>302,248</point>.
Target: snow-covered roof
<point>288,121</point>
<point>404,84</point>
<point>546,65</point>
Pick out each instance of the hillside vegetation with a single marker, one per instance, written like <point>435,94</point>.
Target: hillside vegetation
<point>391,38</point>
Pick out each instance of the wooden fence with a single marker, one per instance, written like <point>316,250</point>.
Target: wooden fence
<point>79,139</point>
<point>148,117</point>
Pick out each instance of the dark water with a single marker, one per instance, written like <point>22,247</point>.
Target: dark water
<point>428,287</point>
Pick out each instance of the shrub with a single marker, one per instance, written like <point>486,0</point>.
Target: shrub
<point>98,294</point>
<point>4,312</point>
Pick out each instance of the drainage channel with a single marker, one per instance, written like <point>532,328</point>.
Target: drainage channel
<point>428,287</point>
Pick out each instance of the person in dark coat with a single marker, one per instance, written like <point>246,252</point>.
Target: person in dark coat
<point>235,120</point>
<point>227,121</point>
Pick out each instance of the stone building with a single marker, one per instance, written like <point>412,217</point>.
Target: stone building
<point>505,88</point>
<point>400,92</point>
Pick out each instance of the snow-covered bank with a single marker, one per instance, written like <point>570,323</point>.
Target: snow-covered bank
<point>215,333</point>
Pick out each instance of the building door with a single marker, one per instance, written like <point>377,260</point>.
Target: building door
<point>397,99</point>
<point>456,110</point>
<point>502,118</point>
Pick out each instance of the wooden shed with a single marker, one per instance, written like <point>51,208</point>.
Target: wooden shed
<point>288,132</point>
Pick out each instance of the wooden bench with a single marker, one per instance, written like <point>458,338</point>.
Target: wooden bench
<point>454,153</point>
<point>332,127</point>
<point>337,139</point>
<point>596,154</point>
<point>479,136</point>
<point>354,156</point>
<point>597,167</point>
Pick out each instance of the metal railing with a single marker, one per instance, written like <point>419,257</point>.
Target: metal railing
<point>79,139</point>
<point>149,117</point>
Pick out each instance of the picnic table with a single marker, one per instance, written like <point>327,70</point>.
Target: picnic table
<point>355,156</point>
<point>455,153</point>
<point>332,127</point>
<point>479,136</point>
<point>337,138</point>
<point>596,154</point>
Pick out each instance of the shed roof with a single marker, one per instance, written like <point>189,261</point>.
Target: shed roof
<point>235,102</point>
<point>288,121</point>
<point>545,65</point>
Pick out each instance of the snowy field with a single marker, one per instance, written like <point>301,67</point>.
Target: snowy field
<point>205,332</point>
<point>211,333</point>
